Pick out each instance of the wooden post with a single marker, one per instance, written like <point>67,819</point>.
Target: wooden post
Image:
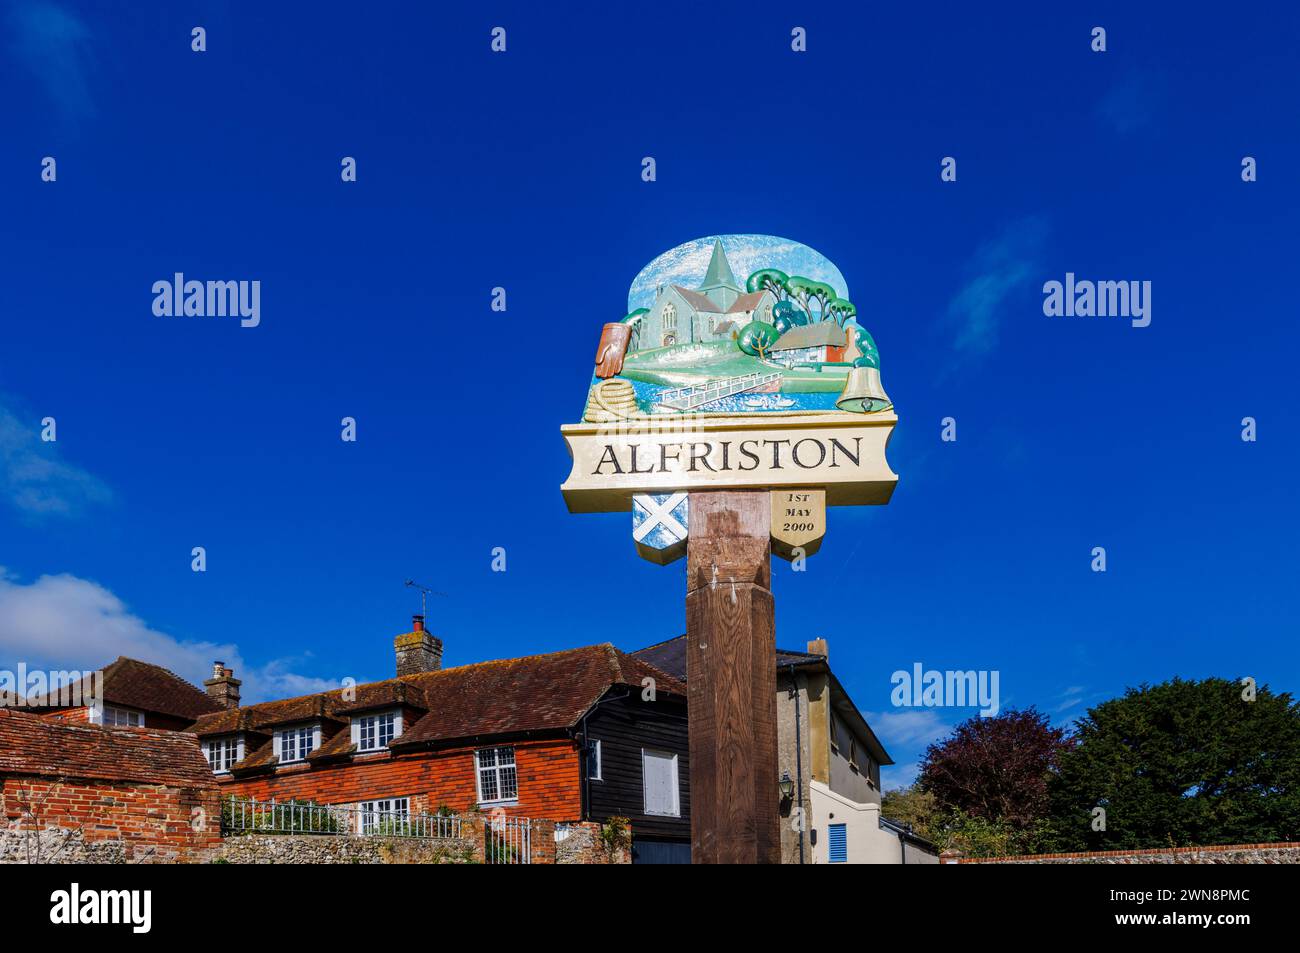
<point>731,679</point>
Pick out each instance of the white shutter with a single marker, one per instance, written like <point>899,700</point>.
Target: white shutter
<point>659,769</point>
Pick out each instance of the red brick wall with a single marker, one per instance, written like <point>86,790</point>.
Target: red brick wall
<point>548,771</point>
<point>153,821</point>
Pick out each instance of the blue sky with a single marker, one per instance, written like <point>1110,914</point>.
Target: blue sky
<point>522,170</point>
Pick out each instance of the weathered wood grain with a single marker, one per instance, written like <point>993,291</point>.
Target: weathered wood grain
<point>731,679</point>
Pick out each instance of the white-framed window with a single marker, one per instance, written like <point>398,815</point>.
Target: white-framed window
<point>372,732</point>
<point>497,778</point>
<point>659,779</point>
<point>390,815</point>
<point>223,753</point>
<point>294,744</point>
<point>593,761</point>
<point>122,716</point>
<point>670,317</point>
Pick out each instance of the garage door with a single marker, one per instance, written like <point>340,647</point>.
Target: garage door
<point>660,851</point>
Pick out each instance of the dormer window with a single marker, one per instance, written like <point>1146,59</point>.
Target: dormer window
<point>294,744</point>
<point>373,731</point>
<point>123,716</point>
<point>224,753</point>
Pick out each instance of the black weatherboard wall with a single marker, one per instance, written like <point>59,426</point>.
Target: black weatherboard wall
<point>625,725</point>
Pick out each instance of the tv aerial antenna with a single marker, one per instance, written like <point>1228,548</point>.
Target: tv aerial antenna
<point>425,592</point>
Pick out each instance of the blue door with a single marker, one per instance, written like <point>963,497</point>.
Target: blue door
<point>660,852</point>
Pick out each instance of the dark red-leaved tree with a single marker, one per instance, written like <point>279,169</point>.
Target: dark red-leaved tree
<point>996,768</point>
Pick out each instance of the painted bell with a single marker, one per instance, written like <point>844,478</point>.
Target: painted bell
<point>863,393</point>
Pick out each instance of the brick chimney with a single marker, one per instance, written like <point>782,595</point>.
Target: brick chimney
<point>818,647</point>
<point>417,650</point>
<point>223,686</point>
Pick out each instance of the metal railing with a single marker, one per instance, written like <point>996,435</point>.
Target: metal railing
<point>249,816</point>
<point>508,840</point>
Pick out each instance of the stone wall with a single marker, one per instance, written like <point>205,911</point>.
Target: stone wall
<point>579,843</point>
<point>333,849</point>
<point>57,845</point>
<point>1284,853</point>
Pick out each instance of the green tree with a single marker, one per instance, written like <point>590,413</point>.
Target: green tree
<point>808,292</point>
<point>914,807</point>
<point>870,356</point>
<point>757,337</point>
<point>950,829</point>
<point>768,279</point>
<point>842,310</point>
<point>786,315</point>
<point>1181,763</point>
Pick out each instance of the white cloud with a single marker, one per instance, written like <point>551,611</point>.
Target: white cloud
<point>998,268</point>
<point>895,776</point>
<point>1069,698</point>
<point>34,479</point>
<point>908,726</point>
<point>63,622</point>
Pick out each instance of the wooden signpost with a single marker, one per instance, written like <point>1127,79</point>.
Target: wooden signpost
<point>727,420</point>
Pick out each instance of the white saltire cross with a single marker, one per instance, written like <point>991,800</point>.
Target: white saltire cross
<point>659,512</point>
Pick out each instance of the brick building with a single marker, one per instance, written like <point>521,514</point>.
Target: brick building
<point>578,735</point>
<point>71,788</point>
<point>131,693</point>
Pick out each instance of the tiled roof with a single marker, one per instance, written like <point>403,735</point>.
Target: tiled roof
<point>700,302</point>
<point>33,746</point>
<point>746,302</point>
<point>307,708</point>
<point>229,721</point>
<point>812,335</point>
<point>339,746</point>
<point>534,693</point>
<point>392,694</point>
<point>151,688</point>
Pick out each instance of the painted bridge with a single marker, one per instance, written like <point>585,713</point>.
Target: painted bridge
<point>697,395</point>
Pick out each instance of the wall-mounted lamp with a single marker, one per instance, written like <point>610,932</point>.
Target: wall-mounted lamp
<point>786,786</point>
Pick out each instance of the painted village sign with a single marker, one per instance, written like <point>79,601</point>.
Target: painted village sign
<point>713,382</point>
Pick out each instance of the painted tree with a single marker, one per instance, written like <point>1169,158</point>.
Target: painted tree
<point>841,310</point>
<point>786,315</point>
<point>769,279</point>
<point>757,337</point>
<point>996,769</point>
<point>1181,763</point>
<point>808,292</point>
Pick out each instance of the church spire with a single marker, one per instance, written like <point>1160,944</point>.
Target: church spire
<point>719,274</point>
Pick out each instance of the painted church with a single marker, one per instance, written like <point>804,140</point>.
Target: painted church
<point>714,311</point>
